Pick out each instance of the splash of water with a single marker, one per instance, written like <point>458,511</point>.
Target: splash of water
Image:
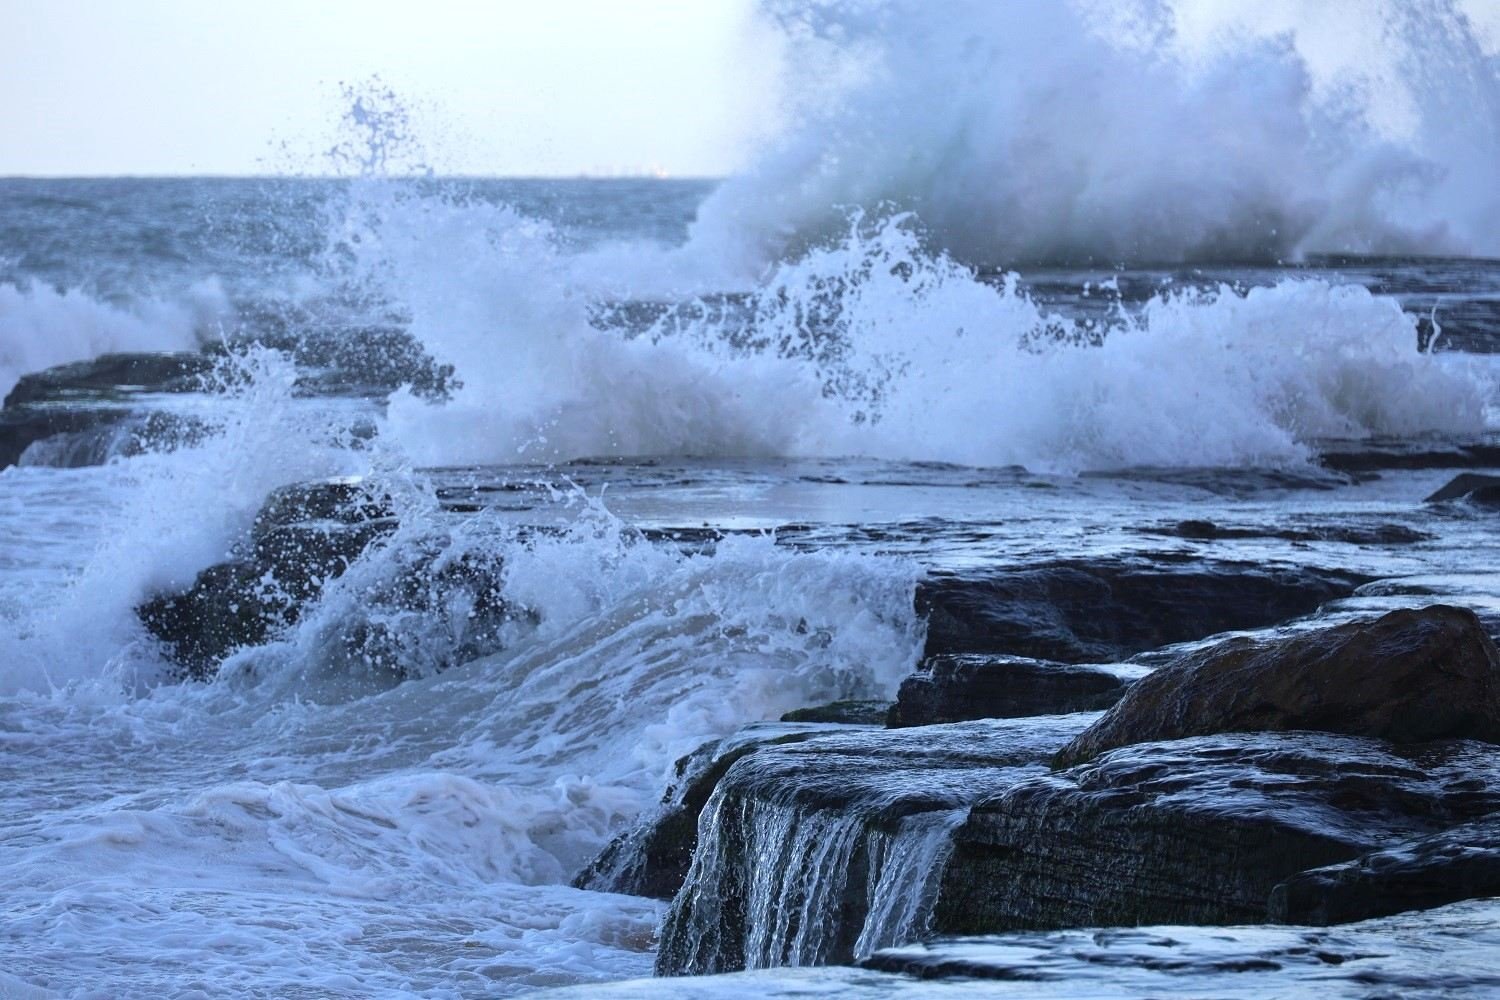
<point>1147,132</point>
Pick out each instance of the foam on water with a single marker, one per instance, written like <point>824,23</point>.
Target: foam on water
<point>383,800</point>
<point>873,345</point>
<point>42,326</point>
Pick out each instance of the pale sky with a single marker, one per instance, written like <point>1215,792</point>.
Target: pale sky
<point>557,87</point>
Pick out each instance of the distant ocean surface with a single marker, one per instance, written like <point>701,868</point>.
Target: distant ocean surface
<point>702,441</point>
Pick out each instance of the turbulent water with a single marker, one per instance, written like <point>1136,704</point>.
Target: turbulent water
<point>714,433</point>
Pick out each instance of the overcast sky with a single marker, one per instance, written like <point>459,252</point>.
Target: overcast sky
<point>504,87</point>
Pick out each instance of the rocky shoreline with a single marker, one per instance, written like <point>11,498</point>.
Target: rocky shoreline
<point>1124,741</point>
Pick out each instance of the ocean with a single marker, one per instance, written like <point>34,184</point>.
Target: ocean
<point>699,442</point>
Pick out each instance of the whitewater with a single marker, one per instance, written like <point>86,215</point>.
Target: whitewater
<point>1004,287</point>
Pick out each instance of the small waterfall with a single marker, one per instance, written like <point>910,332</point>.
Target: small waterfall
<point>778,883</point>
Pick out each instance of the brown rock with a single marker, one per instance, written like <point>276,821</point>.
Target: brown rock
<point>1409,676</point>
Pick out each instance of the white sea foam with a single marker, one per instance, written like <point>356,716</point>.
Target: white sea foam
<point>873,345</point>
<point>41,326</point>
<point>1142,131</point>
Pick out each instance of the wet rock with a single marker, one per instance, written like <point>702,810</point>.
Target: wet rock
<point>829,848</point>
<point>653,858</point>
<point>1407,676</point>
<point>1363,457</point>
<point>845,713</point>
<point>1470,486</point>
<point>119,435</point>
<point>1446,953</point>
<point>111,376</point>
<point>1198,831</point>
<point>1456,864</point>
<point>86,400</point>
<point>1108,610</point>
<point>1353,534</point>
<point>25,426</point>
<point>960,687</point>
<point>304,536</point>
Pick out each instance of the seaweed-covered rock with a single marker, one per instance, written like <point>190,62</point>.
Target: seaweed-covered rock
<point>1459,863</point>
<point>960,687</point>
<point>1408,676</point>
<point>1107,610</point>
<point>1200,830</point>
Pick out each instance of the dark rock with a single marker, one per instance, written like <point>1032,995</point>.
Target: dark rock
<point>304,536</point>
<point>1353,534</point>
<point>1470,486</point>
<point>653,858</point>
<point>960,687</point>
<point>85,397</point>
<point>1456,864</point>
<point>820,850</point>
<point>22,427</point>
<point>111,376</point>
<point>1105,611</point>
<point>1200,830</point>
<point>1379,456</point>
<point>1408,676</point>
<point>844,713</point>
<point>116,434</point>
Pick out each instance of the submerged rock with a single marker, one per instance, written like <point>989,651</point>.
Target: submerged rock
<point>1455,864</point>
<point>1109,610</point>
<point>1198,831</point>
<point>958,688</point>
<point>304,536</point>
<point>1408,676</point>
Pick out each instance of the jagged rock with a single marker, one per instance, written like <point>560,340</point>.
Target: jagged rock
<point>1199,830</point>
<point>1408,676</point>
<point>110,376</point>
<point>1473,487</point>
<point>303,536</point>
<point>844,713</point>
<point>957,688</point>
<point>820,850</point>
<point>1456,864</point>
<point>653,858</point>
<point>1108,610</point>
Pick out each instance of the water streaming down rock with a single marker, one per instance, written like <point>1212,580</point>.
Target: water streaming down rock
<point>816,851</point>
<point>811,886</point>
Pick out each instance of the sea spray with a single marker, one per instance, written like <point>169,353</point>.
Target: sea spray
<point>1078,132</point>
